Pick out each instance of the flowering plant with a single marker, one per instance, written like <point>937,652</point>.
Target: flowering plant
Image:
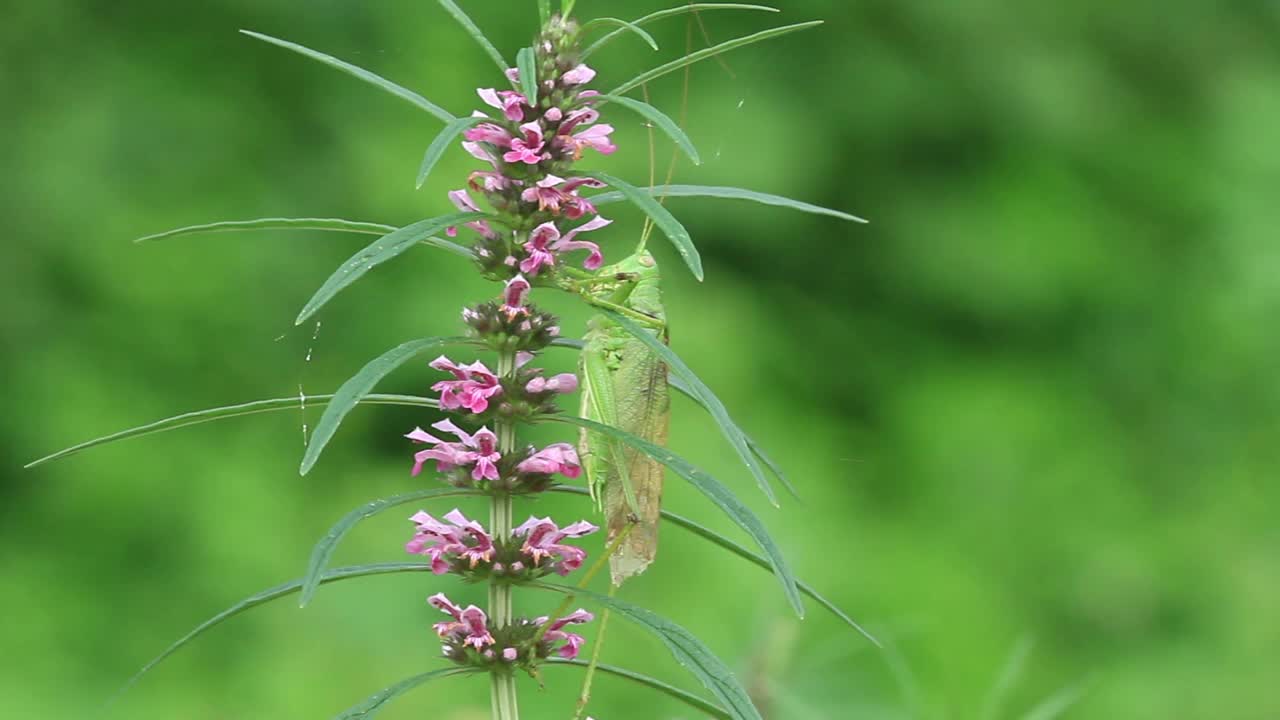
<point>529,140</point>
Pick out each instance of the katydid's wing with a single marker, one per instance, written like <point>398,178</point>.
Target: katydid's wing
<point>645,410</point>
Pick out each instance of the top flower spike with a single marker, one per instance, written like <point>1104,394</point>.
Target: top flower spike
<point>530,140</point>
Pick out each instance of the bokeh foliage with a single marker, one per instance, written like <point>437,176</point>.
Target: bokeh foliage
<point>1036,398</point>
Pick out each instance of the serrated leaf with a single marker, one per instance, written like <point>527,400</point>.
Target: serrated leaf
<point>715,491</point>
<point>732,193</point>
<point>526,61</point>
<point>279,591</point>
<point>371,706</point>
<point>710,52</point>
<point>359,72</point>
<point>321,224</point>
<point>662,217</point>
<point>474,31</point>
<point>688,650</point>
<point>323,550</point>
<point>441,143</point>
<point>657,117</point>
<point>718,412</point>
<point>691,7</point>
<point>672,691</point>
<point>228,411</point>
<point>623,26</point>
<point>361,383</point>
<point>742,552</point>
<point>381,250</point>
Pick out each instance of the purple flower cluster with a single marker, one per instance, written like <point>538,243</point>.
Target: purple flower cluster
<point>530,145</point>
<point>463,546</point>
<point>469,630</point>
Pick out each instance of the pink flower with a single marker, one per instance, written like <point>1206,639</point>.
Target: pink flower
<point>510,103</point>
<point>581,116</point>
<point>469,625</point>
<point>562,383</point>
<point>477,450</point>
<point>595,137</point>
<point>480,152</point>
<point>552,198</point>
<point>557,458</point>
<point>488,181</point>
<point>542,539</point>
<point>513,296</point>
<point>472,387</point>
<point>545,242</point>
<point>463,201</point>
<point>464,538</point>
<point>489,133</point>
<point>580,75</point>
<point>572,641</point>
<point>529,148</point>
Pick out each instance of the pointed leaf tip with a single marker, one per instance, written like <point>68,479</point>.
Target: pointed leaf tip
<point>358,386</point>
<point>359,72</point>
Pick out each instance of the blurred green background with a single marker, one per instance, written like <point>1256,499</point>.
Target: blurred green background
<point>1032,408</point>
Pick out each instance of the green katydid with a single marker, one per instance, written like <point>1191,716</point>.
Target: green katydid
<point>625,385</point>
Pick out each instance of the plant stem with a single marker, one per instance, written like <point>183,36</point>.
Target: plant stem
<point>503,691</point>
<point>585,696</point>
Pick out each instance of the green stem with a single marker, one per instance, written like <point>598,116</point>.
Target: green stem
<point>503,690</point>
<point>585,696</point>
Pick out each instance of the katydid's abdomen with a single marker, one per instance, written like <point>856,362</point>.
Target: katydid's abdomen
<point>625,385</point>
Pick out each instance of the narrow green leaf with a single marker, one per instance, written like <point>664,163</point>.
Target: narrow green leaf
<point>370,707</point>
<point>1057,704</point>
<point>383,249</point>
<point>742,552</point>
<point>441,143</point>
<point>691,7</point>
<point>322,224</point>
<point>727,426</point>
<point>279,591</point>
<point>474,31</point>
<point>663,218</point>
<point>672,691</point>
<point>676,382</point>
<point>526,61</point>
<point>993,704</point>
<point>715,491</point>
<point>623,26</point>
<point>229,411</point>
<point>657,117</point>
<point>544,11</point>
<point>731,193</point>
<point>361,383</point>
<point>378,80</point>
<point>688,650</point>
<point>705,53</point>
<point>323,550</point>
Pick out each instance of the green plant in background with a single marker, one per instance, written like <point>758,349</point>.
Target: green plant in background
<point>531,139</point>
